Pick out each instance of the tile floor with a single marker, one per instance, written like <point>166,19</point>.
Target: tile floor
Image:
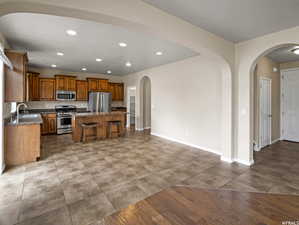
<point>79,184</point>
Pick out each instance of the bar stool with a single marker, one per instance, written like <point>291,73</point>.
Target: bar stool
<point>112,123</point>
<point>86,127</point>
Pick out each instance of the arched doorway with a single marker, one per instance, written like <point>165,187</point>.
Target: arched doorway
<point>248,57</point>
<point>145,103</point>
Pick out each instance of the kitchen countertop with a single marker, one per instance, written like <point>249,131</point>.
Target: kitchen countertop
<point>25,119</point>
<point>83,114</point>
<point>78,110</point>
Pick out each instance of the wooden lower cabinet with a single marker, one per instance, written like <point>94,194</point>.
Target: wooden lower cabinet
<point>49,123</point>
<point>22,144</point>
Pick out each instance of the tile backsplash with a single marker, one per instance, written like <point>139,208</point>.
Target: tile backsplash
<point>52,104</point>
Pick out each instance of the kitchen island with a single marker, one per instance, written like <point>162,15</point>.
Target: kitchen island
<point>101,118</point>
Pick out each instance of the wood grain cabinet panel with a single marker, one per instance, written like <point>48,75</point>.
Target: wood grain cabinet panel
<point>71,84</point>
<point>103,85</point>
<point>22,144</point>
<point>65,83</point>
<point>15,79</point>
<point>32,88</point>
<point>117,91</point>
<point>92,84</point>
<point>49,125</point>
<point>82,92</point>
<point>47,89</point>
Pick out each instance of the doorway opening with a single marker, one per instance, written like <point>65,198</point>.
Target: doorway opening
<point>145,104</point>
<point>276,85</point>
<point>131,105</point>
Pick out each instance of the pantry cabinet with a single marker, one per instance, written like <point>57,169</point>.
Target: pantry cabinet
<point>15,79</point>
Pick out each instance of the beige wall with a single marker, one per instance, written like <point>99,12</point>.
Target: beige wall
<point>289,65</point>
<point>264,68</point>
<point>186,101</point>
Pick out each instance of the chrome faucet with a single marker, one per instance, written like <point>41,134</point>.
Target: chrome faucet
<point>18,109</point>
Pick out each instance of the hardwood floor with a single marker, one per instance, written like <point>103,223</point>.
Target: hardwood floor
<point>194,206</point>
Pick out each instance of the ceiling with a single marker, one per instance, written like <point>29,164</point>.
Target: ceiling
<point>235,20</point>
<point>42,36</point>
<point>283,55</point>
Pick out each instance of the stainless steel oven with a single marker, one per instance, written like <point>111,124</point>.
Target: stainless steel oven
<point>65,95</point>
<point>64,123</point>
<point>64,118</point>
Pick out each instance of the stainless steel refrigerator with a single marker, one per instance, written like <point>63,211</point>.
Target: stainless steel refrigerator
<point>99,102</point>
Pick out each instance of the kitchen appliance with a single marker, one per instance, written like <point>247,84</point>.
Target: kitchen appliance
<point>99,102</point>
<point>64,118</point>
<point>65,95</point>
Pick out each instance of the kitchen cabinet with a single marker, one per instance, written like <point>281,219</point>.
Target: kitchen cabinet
<point>47,89</point>
<point>15,79</point>
<point>49,123</point>
<point>81,89</point>
<point>117,91</point>
<point>65,83</point>
<point>22,144</point>
<point>95,84</point>
<point>32,86</point>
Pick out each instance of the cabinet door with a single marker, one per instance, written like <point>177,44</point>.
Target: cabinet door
<point>44,127</point>
<point>47,89</point>
<point>32,86</point>
<point>82,93</point>
<point>121,92</point>
<point>71,84</point>
<point>15,80</point>
<point>103,85</point>
<point>92,85</point>
<point>51,124</point>
<point>61,83</point>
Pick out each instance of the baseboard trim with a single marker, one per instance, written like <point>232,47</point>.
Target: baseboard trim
<point>276,140</point>
<point>186,143</point>
<point>244,162</point>
<point>228,160</point>
<point>2,169</point>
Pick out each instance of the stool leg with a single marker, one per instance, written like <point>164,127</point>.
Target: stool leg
<point>84,135</point>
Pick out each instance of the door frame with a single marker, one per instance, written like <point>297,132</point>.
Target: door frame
<point>260,112</point>
<point>128,105</point>
<point>282,105</point>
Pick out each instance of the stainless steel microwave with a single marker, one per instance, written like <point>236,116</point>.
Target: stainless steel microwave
<point>65,95</point>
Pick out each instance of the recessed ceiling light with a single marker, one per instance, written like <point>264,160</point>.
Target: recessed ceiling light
<point>296,51</point>
<point>109,71</point>
<point>99,60</point>
<point>128,64</point>
<point>60,53</point>
<point>71,32</point>
<point>53,65</point>
<point>122,44</point>
<point>84,69</point>
<point>159,53</point>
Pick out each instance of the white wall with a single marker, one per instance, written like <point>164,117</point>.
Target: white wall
<point>186,101</point>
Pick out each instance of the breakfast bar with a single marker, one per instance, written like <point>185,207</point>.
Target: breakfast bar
<point>105,125</point>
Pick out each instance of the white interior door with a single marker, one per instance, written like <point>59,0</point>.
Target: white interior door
<point>265,112</point>
<point>290,99</point>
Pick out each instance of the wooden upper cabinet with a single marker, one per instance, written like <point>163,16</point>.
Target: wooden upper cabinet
<point>32,86</point>
<point>103,85</point>
<point>95,84</point>
<point>82,90</point>
<point>117,91</point>
<point>65,83</point>
<point>71,84</point>
<point>47,89</point>
<point>15,79</point>
<point>92,84</point>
